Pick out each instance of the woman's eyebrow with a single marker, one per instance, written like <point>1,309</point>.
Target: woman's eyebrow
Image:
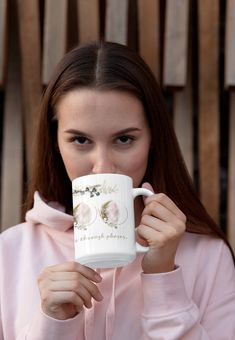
<point>76,132</point>
<point>127,130</point>
<point>82,133</point>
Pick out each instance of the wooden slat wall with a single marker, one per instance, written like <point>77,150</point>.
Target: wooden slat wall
<point>230,44</point>
<point>116,21</point>
<point>175,43</point>
<point>12,149</point>
<point>181,42</point>
<point>208,105</point>
<point>3,39</point>
<point>29,29</point>
<point>88,9</point>
<point>230,83</point>
<point>177,74</point>
<point>149,34</point>
<point>183,121</point>
<point>54,42</point>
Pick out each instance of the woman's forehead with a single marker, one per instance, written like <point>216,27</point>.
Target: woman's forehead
<point>87,103</point>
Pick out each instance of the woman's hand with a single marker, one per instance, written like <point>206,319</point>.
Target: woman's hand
<point>162,226</point>
<point>66,288</point>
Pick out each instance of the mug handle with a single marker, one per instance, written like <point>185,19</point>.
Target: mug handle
<point>143,192</point>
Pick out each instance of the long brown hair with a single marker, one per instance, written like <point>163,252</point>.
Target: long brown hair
<point>110,66</point>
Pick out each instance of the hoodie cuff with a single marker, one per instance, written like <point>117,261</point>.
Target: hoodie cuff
<point>164,293</point>
<point>45,327</point>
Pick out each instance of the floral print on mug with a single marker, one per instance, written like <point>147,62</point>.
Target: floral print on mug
<point>94,190</point>
<point>109,213</point>
<point>84,215</point>
<point>112,214</point>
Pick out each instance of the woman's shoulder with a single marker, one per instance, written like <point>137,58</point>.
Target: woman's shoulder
<point>202,241</point>
<point>204,251</point>
<point>14,233</point>
<point>208,269</point>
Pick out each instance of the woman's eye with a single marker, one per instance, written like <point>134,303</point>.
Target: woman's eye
<point>81,140</point>
<point>124,140</point>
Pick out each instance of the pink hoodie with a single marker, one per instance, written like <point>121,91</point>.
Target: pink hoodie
<point>196,301</point>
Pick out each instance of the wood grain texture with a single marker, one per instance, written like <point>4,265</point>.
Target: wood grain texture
<point>231,172</point>
<point>176,43</point>
<point>54,39</point>
<point>208,35</point>
<point>12,147</point>
<point>183,123</point>
<point>183,109</point>
<point>30,50</point>
<point>230,44</point>
<point>149,33</point>
<point>116,21</point>
<point>88,11</point>
<point>3,40</point>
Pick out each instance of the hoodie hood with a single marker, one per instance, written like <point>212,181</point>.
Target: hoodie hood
<point>53,219</point>
<point>51,214</point>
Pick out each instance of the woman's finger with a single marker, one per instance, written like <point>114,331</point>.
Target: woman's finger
<point>155,238</point>
<point>166,202</point>
<point>84,290</point>
<point>57,298</point>
<point>76,267</point>
<point>159,218</point>
<point>77,283</point>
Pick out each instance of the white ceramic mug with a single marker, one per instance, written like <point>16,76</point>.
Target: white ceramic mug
<point>104,226</point>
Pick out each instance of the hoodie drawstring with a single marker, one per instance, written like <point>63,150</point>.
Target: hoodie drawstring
<point>110,314</point>
<point>89,322</point>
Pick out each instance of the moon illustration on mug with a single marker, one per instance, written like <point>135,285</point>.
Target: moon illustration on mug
<point>84,215</point>
<point>113,214</point>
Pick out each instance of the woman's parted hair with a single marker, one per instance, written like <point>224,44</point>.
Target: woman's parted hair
<point>111,66</point>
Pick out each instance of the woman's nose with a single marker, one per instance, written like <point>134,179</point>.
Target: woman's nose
<point>103,162</point>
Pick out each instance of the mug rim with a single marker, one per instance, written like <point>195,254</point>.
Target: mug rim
<point>102,175</point>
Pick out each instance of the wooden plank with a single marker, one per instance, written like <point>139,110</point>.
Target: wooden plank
<point>3,40</point>
<point>208,35</point>
<point>183,121</point>
<point>12,148</point>
<point>88,20</point>
<point>231,172</point>
<point>28,14</point>
<point>230,44</point>
<point>149,33</point>
<point>54,42</point>
<point>176,43</point>
<point>183,109</point>
<point>116,21</point>
<point>183,124</point>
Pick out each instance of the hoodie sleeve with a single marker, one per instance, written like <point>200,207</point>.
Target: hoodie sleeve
<point>45,327</point>
<point>169,313</point>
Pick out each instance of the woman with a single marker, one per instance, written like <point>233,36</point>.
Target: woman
<point>103,112</point>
